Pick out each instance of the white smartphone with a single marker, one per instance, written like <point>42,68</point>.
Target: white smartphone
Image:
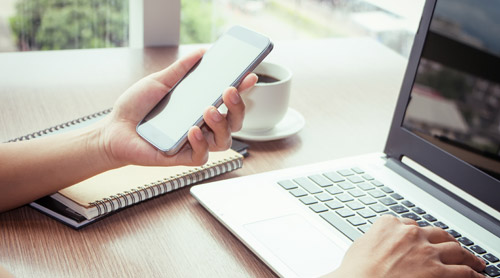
<point>234,55</point>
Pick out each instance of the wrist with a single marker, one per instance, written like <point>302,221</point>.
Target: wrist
<point>97,145</point>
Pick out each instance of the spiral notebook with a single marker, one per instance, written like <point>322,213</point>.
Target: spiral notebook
<point>108,192</point>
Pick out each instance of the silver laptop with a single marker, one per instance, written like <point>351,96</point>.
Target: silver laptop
<point>440,166</point>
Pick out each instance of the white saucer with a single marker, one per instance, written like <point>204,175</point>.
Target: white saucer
<point>292,123</point>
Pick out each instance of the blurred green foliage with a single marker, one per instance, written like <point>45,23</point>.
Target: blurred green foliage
<point>72,24</point>
<point>198,22</point>
<point>69,24</point>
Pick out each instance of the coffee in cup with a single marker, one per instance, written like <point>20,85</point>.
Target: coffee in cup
<point>264,78</point>
<point>267,102</point>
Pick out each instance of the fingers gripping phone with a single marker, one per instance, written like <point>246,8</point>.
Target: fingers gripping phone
<point>234,55</point>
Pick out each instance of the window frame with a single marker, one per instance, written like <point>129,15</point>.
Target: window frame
<point>154,23</point>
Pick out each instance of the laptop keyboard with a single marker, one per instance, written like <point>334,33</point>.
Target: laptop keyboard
<point>351,200</point>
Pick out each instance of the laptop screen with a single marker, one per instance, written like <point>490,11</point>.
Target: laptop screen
<point>455,100</point>
<point>448,114</point>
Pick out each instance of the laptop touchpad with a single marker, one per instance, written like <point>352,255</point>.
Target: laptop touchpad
<point>298,244</point>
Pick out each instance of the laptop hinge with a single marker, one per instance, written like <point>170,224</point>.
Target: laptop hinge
<point>444,195</point>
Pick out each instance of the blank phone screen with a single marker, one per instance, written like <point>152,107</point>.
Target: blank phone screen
<point>220,67</point>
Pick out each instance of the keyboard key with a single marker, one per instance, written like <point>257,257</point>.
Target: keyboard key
<point>366,213</point>
<point>298,192</point>
<point>423,223</point>
<point>389,213</point>
<point>334,177</point>
<point>334,204</point>
<point>386,189</point>
<point>323,197</point>
<point>345,185</point>
<point>355,205</point>
<point>355,179</point>
<point>356,193</point>
<point>344,197</point>
<point>376,193</point>
<point>441,225</point>
<point>287,184</point>
<point>333,190</point>
<point>399,209</point>
<point>367,200</point>
<point>418,210</point>
<point>465,241</point>
<point>407,203</point>
<point>411,215</point>
<point>345,172</point>
<point>308,200</point>
<point>429,218</point>
<point>367,177</point>
<point>491,258</point>
<point>372,220</point>
<point>341,225</point>
<point>378,208</point>
<point>308,185</point>
<point>365,186</point>
<point>345,212</point>
<point>377,183</point>
<point>454,233</point>
<point>318,208</point>
<point>321,180</point>
<point>358,170</point>
<point>388,201</point>
<point>356,220</point>
<point>477,249</point>
<point>485,261</point>
<point>397,196</point>
<point>364,228</point>
<point>492,271</point>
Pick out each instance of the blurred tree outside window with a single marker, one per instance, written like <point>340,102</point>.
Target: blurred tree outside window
<point>392,22</point>
<point>69,24</point>
<point>199,22</point>
<point>203,21</point>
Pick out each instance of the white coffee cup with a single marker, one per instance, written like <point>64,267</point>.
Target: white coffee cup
<point>267,103</point>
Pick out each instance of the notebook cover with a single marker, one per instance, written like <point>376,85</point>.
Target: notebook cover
<point>125,186</point>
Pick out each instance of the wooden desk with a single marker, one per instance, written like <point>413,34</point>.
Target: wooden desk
<point>345,88</point>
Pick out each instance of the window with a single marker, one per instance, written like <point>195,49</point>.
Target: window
<point>392,22</point>
<point>63,24</point>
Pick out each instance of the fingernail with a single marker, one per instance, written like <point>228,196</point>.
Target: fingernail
<point>235,97</point>
<point>198,134</point>
<point>216,116</point>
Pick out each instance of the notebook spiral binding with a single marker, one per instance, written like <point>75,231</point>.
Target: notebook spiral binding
<point>60,126</point>
<point>148,191</point>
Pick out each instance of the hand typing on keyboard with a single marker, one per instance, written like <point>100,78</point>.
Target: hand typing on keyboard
<point>397,247</point>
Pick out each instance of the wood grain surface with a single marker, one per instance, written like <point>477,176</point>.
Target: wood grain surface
<point>345,88</point>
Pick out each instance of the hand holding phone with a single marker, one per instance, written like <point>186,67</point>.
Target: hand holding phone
<point>121,145</point>
<point>225,64</point>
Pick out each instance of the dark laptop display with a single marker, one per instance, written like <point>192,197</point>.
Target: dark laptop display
<point>452,122</point>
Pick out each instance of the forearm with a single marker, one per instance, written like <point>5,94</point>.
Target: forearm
<point>35,168</point>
